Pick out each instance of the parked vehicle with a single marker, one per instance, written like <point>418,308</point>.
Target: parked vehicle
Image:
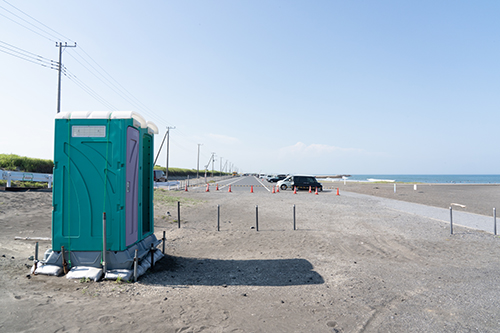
<point>301,182</point>
<point>276,178</point>
<point>159,175</point>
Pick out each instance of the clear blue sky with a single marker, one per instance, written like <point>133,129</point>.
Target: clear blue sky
<point>319,87</point>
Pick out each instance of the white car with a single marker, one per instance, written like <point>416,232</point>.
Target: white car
<point>269,177</point>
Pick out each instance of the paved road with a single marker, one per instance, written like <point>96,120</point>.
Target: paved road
<point>465,219</point>
<point>238,184</point>
<point>245,183</point>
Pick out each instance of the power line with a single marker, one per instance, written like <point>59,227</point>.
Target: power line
<point>119,89</point>
<point>28,56</point>
<point>39,34</point>
<point>123,93</point>
<point>92,66</point>
<point>19,50</point>
<point>88,90</point>
<point>34,19</point>
<point>52,40</point>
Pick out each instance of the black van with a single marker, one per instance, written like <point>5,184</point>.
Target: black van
<point>159,176</point>
<point>301,182</point>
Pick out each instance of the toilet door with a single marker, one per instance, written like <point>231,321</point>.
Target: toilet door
<point>131,186</point>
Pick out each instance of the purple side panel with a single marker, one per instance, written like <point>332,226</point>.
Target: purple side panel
<point>131,186</point>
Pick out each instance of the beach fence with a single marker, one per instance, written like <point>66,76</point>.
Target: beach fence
<point>9,176</point>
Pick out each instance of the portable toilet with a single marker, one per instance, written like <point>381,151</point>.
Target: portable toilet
<point>103,163</point>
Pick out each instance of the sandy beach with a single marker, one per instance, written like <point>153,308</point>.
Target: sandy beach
<point>352,265</point>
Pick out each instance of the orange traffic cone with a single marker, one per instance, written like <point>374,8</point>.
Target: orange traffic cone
<point>251,189</point>
<point>208,189</point>
<point>277,189</point>
<point>295,190</point>
<point>273,189</point>
<point>217,187</point>
<point>229,188</point>
<point>309,189</point>
<point>337,191</point>
<point>316,191</point>
<point>186,187</point>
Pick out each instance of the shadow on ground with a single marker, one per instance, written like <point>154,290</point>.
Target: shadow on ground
<point>171,271</point>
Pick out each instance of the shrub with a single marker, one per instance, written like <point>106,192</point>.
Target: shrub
<point>25,164</point>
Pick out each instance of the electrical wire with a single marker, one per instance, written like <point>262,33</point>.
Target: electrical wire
<point>52,40</point>
<point>88,90</point>
<point>118,88</point>
<point>92,66</point>
<point>123,93</point>
<point>34,19</point>
<point>27,28</point>
<point>29,56</point>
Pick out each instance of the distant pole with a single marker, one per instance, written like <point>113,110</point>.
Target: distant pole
<point>198,163</point>
<point>168,146</point>
<point>60,45</point>
<point>221,166</point>
<point>159,150</point>
<point>213,161</point>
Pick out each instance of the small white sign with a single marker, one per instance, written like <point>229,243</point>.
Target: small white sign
<point>88,131</point>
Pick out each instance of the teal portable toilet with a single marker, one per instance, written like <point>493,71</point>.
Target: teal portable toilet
<point>103,163</point>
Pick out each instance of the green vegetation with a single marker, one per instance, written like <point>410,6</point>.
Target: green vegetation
<point>15,183</point>
<point>25,164</point>
<point>180,172</point>
<point>14,162</point>
<point>172,197</point>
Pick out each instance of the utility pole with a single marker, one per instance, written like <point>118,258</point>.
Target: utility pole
<point>168,139</point>
<point>60,45</point>
<point>221,166</point>
<point>213,160</point>
<point>208,164</point>
<point>198,163</point>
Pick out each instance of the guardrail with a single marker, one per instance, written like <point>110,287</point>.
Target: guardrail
<point>26,176</point>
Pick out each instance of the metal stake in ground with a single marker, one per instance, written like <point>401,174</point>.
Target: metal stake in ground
<point>494,221</point>
<point>218,217</point>
<point>152,255</point>
<point>136,259</point>
<point>256,218</point>
<point>178,214</point>
<point>104,245</point>
<point>163,239</point>
<point>294,217</point>
<point>35,262</point>
<point>451,220</point>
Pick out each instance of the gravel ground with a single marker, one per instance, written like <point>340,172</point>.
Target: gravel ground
<point>352,265</point>
<point>478,198</point>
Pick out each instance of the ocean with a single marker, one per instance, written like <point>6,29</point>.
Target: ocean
<point>444,179</point>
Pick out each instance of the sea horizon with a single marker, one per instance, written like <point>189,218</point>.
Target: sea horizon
<point>430,178</point>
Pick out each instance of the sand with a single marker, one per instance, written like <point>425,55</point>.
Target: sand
<point>478,198</point>
<point>351,266</point>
